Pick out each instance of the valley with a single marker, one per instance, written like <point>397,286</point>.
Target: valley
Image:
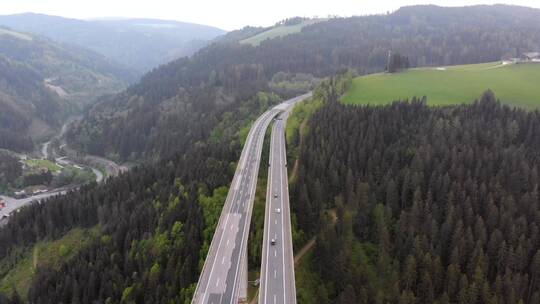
<point>395,154</point>
<point>62,170</point>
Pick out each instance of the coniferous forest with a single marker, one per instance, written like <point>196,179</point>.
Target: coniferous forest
<point>155,225</point>
<point>414,204</point>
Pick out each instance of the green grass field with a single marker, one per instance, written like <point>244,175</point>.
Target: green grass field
<point>278,31</point>
<point>36,164</point>
<point>516,84</point>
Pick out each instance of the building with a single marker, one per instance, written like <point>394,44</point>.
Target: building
<point>531,57</point>
<point>20,194</point>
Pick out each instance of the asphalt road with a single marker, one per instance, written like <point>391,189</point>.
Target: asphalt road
<point>14,204</point>
<point>220,278</point>
<point>277,267</point>
<point>223,278</point>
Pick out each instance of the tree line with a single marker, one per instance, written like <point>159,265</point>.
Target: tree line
<point>413,204</point>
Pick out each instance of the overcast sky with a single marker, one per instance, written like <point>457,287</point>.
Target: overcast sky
<point>226,14</point>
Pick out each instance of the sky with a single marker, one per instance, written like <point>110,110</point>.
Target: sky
<point>225,14</point>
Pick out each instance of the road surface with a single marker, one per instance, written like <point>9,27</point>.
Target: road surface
<point>277,266</point>
<point>110,167</point>
<point>13,204</point>
<point>223,278</point>
<point>220,276</point>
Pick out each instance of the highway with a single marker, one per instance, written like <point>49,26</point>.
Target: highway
<point>223,278</point>
<point>277,267</point>
<point>219,281</point>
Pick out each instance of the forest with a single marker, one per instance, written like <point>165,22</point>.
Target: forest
<point>10,170</point>
<point>155,221</point>
<point>42,82</point>
<point>143,122</point>
<point>418,204</point>
<point>410,204</point>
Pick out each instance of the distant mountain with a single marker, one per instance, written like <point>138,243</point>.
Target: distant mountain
<point>41,82</point>
<point>145,120</point>
<point>141,44</point>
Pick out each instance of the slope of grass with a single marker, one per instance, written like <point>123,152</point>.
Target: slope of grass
<point>44,254</point>
<point>279,31</point>
<point>513,84</point>
<point>22,36</point>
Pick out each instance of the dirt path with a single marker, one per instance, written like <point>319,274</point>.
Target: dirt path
<point>307,247</point>
<point>294,172</point>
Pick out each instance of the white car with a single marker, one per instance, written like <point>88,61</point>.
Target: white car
<point>273,241</point>
<point>275,195</point>
<point>278,210</point>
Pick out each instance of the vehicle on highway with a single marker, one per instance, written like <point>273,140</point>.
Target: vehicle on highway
<point>278,210</point>
<point>275,195</point>
<point>273,241</point>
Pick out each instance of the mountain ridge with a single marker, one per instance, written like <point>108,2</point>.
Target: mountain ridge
<point>139,47</point>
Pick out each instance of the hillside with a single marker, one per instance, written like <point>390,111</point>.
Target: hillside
<point>42,81</point>
<point>514,84</point>
<point>140,44</point>
<point>416,204</point>
<point>154,223</point>
<point>287,27</point>
<point>142,122</point>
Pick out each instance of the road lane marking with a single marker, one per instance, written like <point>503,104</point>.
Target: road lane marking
<point>244,236</point>
<point>281,175</point>
<point>275,273</point>
<point>223,260</point>
<point>217,283</point>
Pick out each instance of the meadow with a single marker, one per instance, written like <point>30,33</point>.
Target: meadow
<point>514,84</point>
<point>279,31</point>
